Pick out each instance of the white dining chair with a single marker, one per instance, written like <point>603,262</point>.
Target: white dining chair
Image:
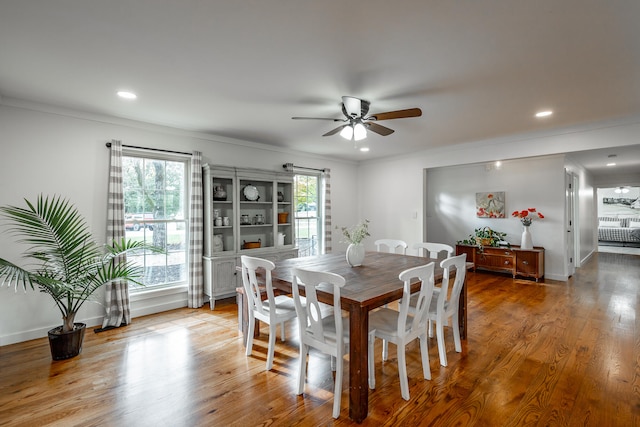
<point>391,246</point>
<point>401,328</point>
<point>272,311</point>
<point>445,304</point>
<point>433,250</point>
<point>328,334</point>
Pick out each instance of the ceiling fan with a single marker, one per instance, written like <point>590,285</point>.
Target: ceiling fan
<point>357,122</point>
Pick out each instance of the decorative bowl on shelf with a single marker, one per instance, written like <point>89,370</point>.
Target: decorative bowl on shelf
<point>251,245</point>
<point>283,217</point>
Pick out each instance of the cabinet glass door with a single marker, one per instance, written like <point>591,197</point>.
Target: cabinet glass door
<point>222,216</point>
<point>256,214</point>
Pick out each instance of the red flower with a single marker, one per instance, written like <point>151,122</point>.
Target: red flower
<point>524,215</point>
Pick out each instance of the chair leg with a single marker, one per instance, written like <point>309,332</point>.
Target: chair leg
<point>402,371</point>
<point>430,329</point>
<point>282,330</point>
<point>337,388</point>
<point>442,348</point>
<point>372,371</point>
<point>385,350</point>
<point>302,367</point>
<point>456,333</point>
<point>250,332</point>
<point>424,353</point>
<point>333,364</point>
<point>272,345</point>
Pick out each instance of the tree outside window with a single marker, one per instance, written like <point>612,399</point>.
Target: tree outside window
<point>154,205</point>
<point>307,214</point>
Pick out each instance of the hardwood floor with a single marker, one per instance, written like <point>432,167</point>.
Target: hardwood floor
<point>548,354</point>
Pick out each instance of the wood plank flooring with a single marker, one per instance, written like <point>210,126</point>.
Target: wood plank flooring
<point>538,354</point>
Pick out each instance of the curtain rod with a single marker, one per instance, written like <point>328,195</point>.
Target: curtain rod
<point>108,144</point>
<point>289,167</point>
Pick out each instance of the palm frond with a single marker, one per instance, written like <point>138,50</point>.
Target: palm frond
<point>71,265</point>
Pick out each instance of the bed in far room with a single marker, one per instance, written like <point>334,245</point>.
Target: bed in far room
<point>622,231</point>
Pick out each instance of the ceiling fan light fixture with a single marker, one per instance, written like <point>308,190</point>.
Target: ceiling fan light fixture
<point>359,132</point>
<point>347,132</point>
<point>621,190</point>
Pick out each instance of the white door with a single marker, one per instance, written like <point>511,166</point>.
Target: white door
<point>570,202</point>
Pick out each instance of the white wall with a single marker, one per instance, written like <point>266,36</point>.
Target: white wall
<point>531,183</point>
<point>61,152</point>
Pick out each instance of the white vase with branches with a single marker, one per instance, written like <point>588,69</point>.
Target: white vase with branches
<point>354,236</point>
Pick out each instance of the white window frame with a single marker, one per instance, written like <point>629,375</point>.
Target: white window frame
<point>320,213</point>
<point>138,292</point>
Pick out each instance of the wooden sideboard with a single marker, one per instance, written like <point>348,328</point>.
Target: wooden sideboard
<point>513,260</point>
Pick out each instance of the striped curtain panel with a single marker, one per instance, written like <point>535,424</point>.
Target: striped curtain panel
<point>195,292</point>
<point>118,312</point>
<point>327,210</point>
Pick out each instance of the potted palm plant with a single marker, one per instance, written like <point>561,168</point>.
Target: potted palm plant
<point>69,265</point>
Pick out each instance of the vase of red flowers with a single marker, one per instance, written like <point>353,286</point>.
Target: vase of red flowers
<point>526,216</point>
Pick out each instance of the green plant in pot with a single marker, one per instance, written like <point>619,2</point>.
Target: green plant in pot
<point>484,236</point>
<point>69,265</point>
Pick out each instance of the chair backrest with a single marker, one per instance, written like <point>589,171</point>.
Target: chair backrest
<point>432,250</point>
<point>312,329</point>
<point>418,322</point>
<point>449,303</point>
<point>250,267</point>
<point>392,245</point>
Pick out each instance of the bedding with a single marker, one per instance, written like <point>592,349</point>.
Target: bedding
<point>622,230</point>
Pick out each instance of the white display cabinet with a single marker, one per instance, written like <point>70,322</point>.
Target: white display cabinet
<point>246,211</point>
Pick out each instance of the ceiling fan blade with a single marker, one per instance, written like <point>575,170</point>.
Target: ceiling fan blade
<point>399,114</point>
<point>317,118</point>
<point>334,131</point>
<point>379,129</point>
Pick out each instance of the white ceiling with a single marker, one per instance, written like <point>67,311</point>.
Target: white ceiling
<point>243,68</point>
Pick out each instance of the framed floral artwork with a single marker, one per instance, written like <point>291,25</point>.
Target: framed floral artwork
<point>490,205</point>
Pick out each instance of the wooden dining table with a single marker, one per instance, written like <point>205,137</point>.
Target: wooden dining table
<point>367,287</point>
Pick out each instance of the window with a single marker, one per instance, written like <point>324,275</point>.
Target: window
<point>307,215</point>
<point>154,205</point>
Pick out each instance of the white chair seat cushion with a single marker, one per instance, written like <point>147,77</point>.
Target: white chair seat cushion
<point>385,321</point>
<point>329,326</point>
<point>283,304</point>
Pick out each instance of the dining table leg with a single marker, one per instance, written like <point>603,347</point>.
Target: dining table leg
<point>358,364</point>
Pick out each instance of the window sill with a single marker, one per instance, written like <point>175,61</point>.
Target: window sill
<point>144,294</point>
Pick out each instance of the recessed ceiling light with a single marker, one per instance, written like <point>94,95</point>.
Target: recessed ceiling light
<point>544,113</point>
<point>364,149</point>
<point>611,164</point>
<point>127,95</point>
